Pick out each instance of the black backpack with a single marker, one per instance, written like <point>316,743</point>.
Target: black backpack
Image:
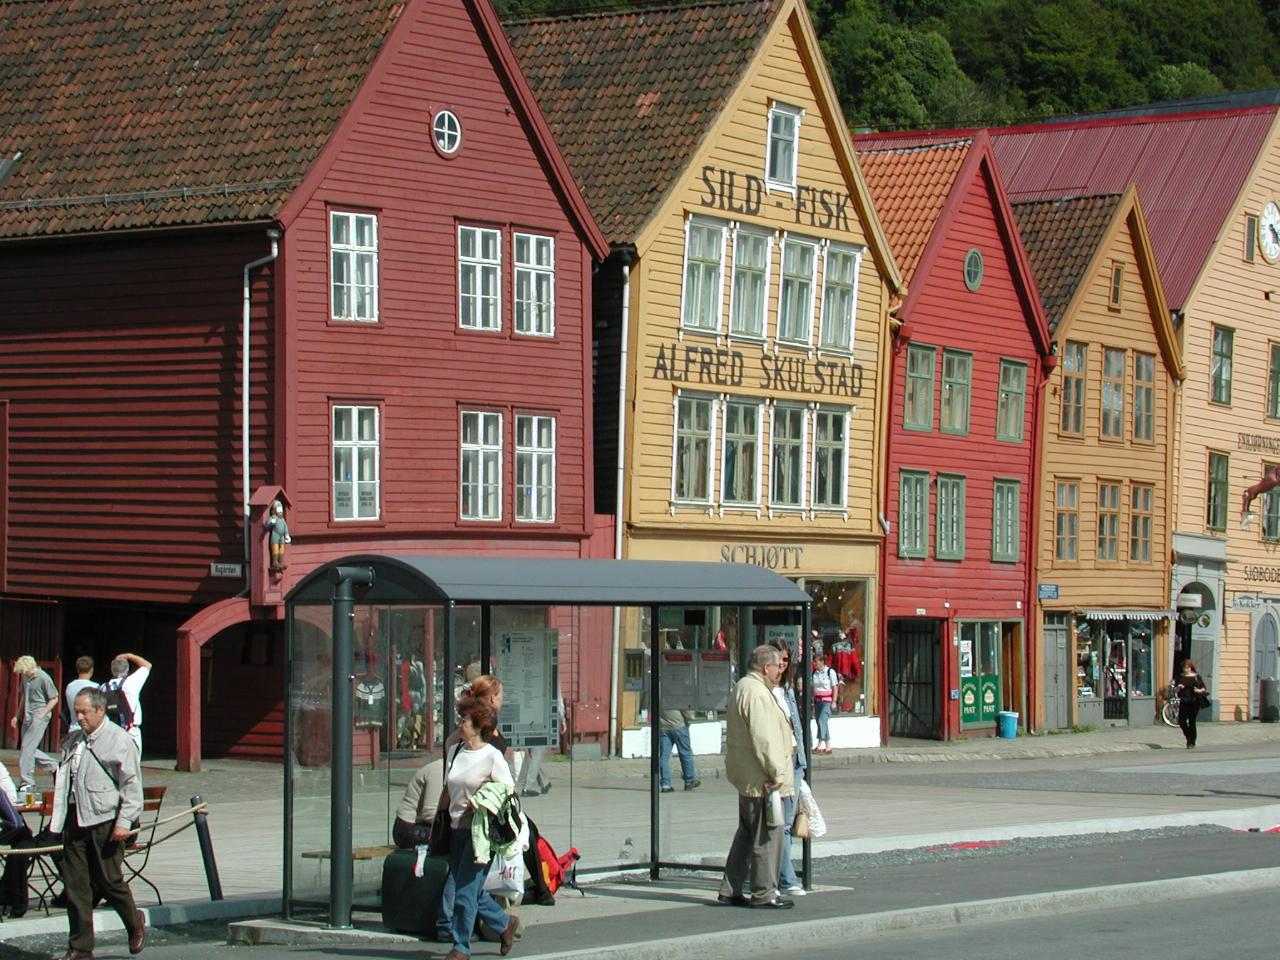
<point>118,709</point>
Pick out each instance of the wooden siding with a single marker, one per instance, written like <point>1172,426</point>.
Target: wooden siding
<point>992,323</point>
<point>415,363</point>
<point>1230,292</point>
<point>120,366</point>
<point>737,144</point>
<point>1089,459</point>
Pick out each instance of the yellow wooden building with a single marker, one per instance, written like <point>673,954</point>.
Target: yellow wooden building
<point>1105,519</point>
<point>746,306</point>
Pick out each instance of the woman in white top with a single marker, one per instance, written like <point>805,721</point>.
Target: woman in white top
<point>825,686</point>
<point>473,763</point>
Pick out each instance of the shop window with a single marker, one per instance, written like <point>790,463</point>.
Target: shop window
<point>951,508</point>
<point>1005,512</point>
<point>957,377</point>
<point>1220,375</point>
<point>1108,520</point>
<point>1113,362</point>
<point>691,479</point>
<point>1074,361</point>
<point>1012,405</point>
<point>980,680</point>
<point>1141,496</point>
<point>786,457</point>
<point>913,514</point>
<point>1218,491</point>
<point>703,273</point>
<point>839,617</point>
<point>355,463</point>
<point>917,413</point>
<point>1066,521</point>
<point>1144,382</point>
<point>750,293</point>
<point>741,469</point>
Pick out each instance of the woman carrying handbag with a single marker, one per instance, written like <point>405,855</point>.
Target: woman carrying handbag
<point>1192,697</point>
<point>473,764</point>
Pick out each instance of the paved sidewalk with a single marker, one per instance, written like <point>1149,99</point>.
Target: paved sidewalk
<point>601,807</point>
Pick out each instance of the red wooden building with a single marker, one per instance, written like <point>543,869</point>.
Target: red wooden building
<point>365,194</point>
<point>969,355</point>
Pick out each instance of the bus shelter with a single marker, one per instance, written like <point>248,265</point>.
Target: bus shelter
<point>379,648</point>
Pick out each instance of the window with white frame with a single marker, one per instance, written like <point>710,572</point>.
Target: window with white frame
<point>751,250</point>
<point>784,146</point>
<point>786,457</point>
<point>353,258</point>
<point>535,285</point>
<point>692,477</point>
<point>355,463</point>
<point>839,298</point>
<point>740,472</point>
<point>479,278</point>
<point>535,468</point>
<point>795,299</point>
<point>703,273</point>
<point>830,464</point>
<point>481,494</point>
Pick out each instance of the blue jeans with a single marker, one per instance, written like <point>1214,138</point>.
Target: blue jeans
<point>469,895</point>
<point>823,710</point>
<point>787,874</point>
<point>679,738</point>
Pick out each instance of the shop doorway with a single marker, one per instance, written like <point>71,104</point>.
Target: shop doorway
<point>1266,644</point>
<point>915,699</point>
<point>1059,672</point>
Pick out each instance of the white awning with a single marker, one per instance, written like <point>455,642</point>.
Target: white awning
<point>1128,614</point>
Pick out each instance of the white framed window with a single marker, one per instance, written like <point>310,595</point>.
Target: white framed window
<point>703,274</point>
<point>787,456</point>
<point>749,293</point>
<point>353,263</point>
<point>479,278</point>
<point>740,469</point>
<point>355,462</point>
<point>535,285</point>
<point>535,468</point>
<point>795,299</point>
<point>446,132</point>
<point>694,442</point>
<point>783,146</point>
<point>830,458</point>
<point>839,298</point>
<point>481,494</point>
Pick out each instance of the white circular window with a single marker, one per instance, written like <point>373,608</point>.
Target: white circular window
<point>446,132</point>
<point>973,269</point>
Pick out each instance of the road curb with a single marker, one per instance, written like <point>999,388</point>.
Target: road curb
<point>757,940</point>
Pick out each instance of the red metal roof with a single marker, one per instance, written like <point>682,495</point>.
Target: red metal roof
<point>1189,169</point>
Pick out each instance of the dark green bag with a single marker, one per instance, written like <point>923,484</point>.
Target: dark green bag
<point>412,904</point>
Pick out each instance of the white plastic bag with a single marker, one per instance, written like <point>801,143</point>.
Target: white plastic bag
<point>809,805</point>
<point>506,874</point>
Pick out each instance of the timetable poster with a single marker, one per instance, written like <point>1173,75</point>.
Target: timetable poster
<point>527,663</point>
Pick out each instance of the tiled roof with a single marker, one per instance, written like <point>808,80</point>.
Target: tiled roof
<point>1061,237</point>
<point>910,187</point>
<point>630,95</point>
<point>147,113</point>
<point>1189,168</point>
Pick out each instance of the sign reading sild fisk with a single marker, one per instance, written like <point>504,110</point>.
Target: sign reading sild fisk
<point>744,193</point>
<point>722,367</point>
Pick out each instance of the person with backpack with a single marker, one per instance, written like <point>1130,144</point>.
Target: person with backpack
<point>826,683</point>
<point>124,693</point>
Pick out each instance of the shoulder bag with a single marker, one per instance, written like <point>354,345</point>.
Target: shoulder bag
<point>441,824</point>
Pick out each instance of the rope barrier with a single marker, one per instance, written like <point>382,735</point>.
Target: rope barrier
<point>39,851</point>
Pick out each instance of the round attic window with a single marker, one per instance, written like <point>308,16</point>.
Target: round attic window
<point>973,269</point>
<point>446,133</point>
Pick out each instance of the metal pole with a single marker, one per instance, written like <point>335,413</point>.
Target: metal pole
<point>806,845</point>
<point>655,742</point>
<point>450,623</point>
<point>206,850</point>
<point>486,642</point>
<point>341,867</point>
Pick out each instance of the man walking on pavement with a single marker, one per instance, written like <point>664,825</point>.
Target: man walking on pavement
<point>757,762</point>
<point>97,796</point>
<point>39,699</point>
<point>130,684</point>
<point>674,732</point>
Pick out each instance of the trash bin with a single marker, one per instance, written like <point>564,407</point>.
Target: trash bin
<point>1269,700</point>
<point>1006,724</point>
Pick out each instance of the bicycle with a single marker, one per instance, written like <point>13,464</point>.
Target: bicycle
<point>1169,712</point>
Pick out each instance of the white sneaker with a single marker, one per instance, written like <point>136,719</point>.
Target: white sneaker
<point>794,891</point>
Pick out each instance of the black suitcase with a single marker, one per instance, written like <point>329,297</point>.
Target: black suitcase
<point>412,904</point>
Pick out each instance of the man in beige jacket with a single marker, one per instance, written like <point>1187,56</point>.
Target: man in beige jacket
<point>757,761</point>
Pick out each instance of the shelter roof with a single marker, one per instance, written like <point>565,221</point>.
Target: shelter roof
<point>630,95</point>
<point>1061,238</point>
<point>504,580</point>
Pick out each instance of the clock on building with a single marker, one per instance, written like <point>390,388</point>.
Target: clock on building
<point>1269,232</point>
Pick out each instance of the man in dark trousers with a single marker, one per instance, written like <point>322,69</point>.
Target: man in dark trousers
<point>97,796</point>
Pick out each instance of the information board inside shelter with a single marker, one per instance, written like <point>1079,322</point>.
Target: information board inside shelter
<point>527,662</point>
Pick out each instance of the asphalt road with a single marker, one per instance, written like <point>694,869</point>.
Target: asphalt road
<point>1238,927</point>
